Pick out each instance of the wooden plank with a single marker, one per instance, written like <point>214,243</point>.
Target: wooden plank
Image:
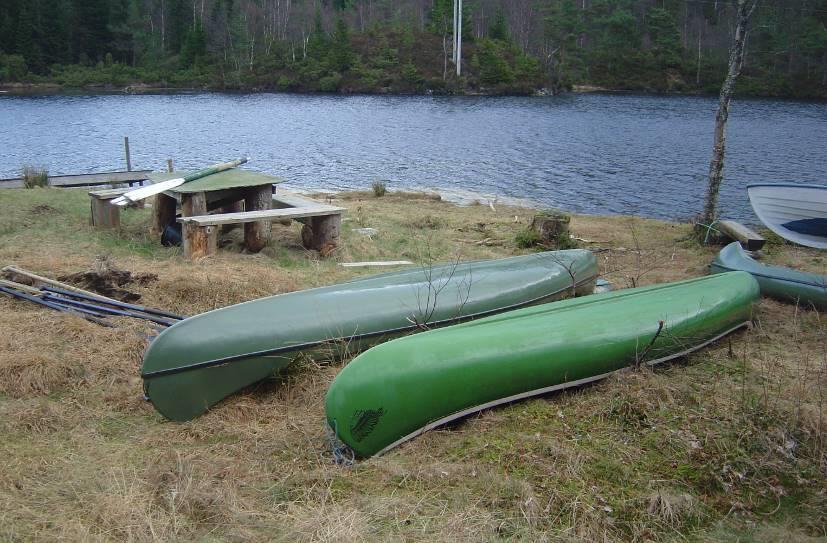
<point>107,194</point>
<point>319,210</point>
<point>282,199</point>
<point>36,279</point>
<point>84,179</point>
<point>376,264</point>
<point>748,238</point>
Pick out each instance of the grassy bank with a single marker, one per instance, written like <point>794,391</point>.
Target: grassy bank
<point>728,443</point>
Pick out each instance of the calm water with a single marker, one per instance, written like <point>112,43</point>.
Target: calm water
<point>586,153</point>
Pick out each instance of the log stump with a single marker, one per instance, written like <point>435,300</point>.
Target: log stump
<point>322,233</point>
<point>551,227</point>
<point>257,234</point>
<point>200,241</point>
<point>105,214</point>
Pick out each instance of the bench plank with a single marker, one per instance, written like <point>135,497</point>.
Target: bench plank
<point>318,210</point>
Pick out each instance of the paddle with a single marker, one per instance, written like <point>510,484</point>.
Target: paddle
<point>157,188</point>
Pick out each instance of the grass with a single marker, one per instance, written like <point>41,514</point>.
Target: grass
<point>35,177</point>
<point>728,444</point>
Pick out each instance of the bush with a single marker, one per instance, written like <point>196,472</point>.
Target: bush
<point>527,238</point>
<point>379,188</point>
<point>330,83</point>
<point>35,177</point>
<point>12,68</point>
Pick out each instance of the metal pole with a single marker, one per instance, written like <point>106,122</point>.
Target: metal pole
<point>454,36</point>
<point>459,37</point>
<point>126,150</point>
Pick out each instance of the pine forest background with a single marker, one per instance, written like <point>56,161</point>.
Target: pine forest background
<point>404,46</point>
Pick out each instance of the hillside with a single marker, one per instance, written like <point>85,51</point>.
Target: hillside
<point>405,46</point>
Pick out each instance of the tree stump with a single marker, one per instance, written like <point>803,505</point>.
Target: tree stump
<point>322,233</point>
<point>257,234</point>
<point>551,226</point>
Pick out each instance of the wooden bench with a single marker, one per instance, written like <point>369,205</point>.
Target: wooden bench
<point>321,230</point>
<point>104,213</point>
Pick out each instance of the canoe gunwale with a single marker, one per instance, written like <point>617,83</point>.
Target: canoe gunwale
<point>309,345</point>
<point>553,388</point>
<point>772,277</point>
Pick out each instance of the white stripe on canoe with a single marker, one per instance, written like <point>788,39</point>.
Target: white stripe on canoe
<point>545,390</point>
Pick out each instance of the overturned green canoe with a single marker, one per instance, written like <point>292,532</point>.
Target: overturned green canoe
<point>807,289</point>
<point>203,359</point>
<point>400,389</point>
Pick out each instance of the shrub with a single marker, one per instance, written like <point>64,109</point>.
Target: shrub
<point>35,177</point>
<point>527,238</point>
<point>379,188</point>
<point>330,83</point>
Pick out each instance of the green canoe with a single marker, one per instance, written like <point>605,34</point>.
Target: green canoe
<point>400,389</point>
<point>203,359</point>
<point>808,289</point>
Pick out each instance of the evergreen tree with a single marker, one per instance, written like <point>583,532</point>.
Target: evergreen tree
<point>499,28</point>
<point>341,53</point>
<point>666,39</point>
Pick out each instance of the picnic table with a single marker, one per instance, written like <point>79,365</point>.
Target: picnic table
<point>226,192</point>
<point>232,197</point>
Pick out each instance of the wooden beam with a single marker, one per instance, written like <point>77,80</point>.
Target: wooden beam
<point>269,214</point>
<point>748,238</point>
<point>84,179</point>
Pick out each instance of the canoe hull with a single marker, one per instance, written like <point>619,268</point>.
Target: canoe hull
<point>797,213</point>
<point>397,390</point>
<point>201,360</point>
<point>785,284</point>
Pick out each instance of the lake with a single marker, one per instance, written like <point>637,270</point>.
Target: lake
<point>590,153</point>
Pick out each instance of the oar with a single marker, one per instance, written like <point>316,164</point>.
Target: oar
<point>99,308</point>
<point>114,303</point>
<point>157,188</point>
<point>58,307</point>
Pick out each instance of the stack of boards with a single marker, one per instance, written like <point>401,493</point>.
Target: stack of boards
<point>506,342</point>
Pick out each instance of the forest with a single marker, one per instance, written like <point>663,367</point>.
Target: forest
<point>405,46</point>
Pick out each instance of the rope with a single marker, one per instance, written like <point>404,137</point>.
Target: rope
<point>342,454</point>
<point>709,228</point>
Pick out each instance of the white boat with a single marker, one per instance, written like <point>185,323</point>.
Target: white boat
<point>797,213</point>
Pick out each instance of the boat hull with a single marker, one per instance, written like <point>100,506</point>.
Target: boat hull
<point>797,213</point>
<point>397,390</point>
<point>807,289</point>
<point>203,359</point>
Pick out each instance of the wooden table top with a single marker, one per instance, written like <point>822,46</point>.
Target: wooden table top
<point>230,179</point>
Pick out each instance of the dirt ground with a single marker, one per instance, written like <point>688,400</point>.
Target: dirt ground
<point>727,444</point>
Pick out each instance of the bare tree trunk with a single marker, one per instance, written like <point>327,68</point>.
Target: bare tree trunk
<point>736,59</point>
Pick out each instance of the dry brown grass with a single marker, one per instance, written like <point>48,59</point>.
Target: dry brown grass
<point>727,444</point>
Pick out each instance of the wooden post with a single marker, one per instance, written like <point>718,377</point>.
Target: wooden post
<point>169,165</point>
<point>322,233</point>
<point>257,234</point>
<point>126,150</point>
<point>200,241</point>
<point>193,204</point>
<point>163,213</point>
